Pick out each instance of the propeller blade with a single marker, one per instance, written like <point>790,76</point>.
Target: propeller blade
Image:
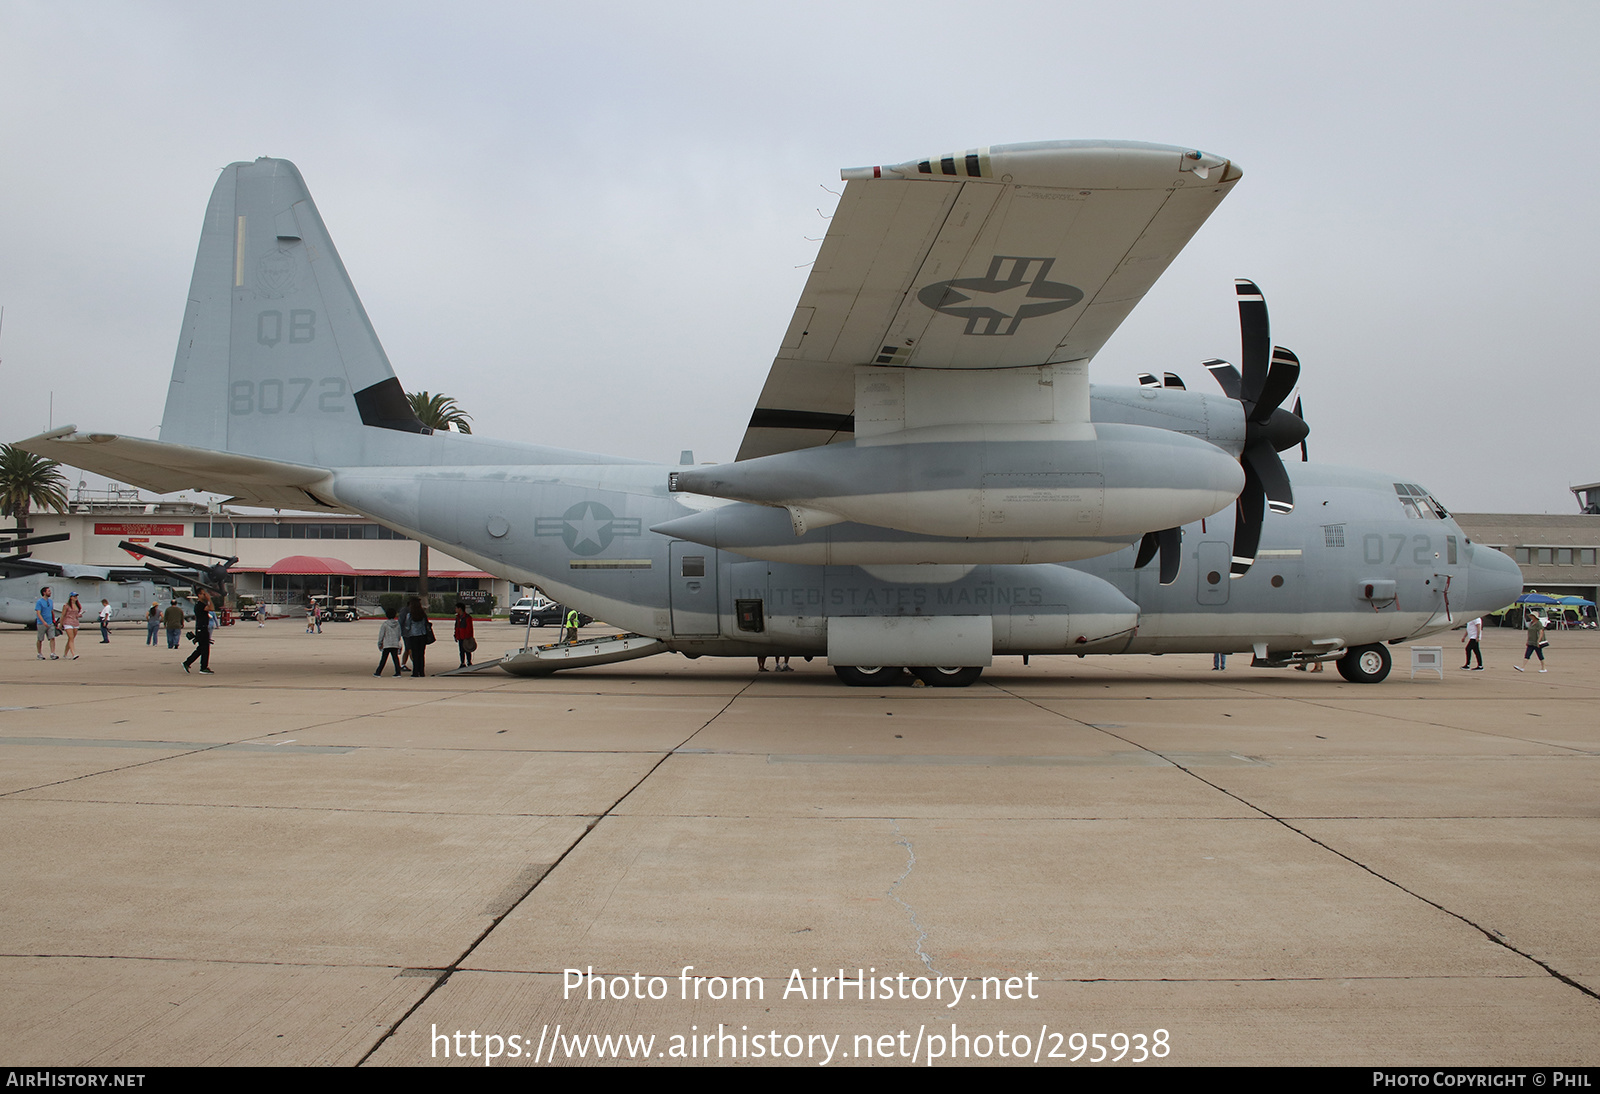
<point>1282,375</point>
<point>1255,341</point>
<point>1226,375</point>
<point>196,551</point>
<point>1171,553</point>
<point>1248,515</point>
<point>1260,459</point>
<point>1172,379</point>
<point>1269,375</point>
<point>1169,542</point>
<point>1299,414</point>
<point>172,577</point>
<point>32,541</point>
<point>1147,550</point>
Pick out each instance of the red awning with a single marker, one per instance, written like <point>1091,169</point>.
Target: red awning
<point>307,564</point>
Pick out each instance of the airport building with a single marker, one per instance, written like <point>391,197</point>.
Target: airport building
<point>1559,554</point>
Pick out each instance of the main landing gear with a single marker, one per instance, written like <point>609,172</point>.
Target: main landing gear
<point>934,677</point>
<point>1365,664</point>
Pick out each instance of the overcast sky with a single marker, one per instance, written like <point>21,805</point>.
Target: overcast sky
<point>589,223</point>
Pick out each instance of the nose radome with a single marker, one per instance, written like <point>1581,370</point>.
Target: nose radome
<point>1493,581</point>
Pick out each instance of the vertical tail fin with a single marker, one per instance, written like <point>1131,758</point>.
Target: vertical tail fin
<point>277,357</point>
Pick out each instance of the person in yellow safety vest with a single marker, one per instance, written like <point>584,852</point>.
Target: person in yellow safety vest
<point>571,632</point>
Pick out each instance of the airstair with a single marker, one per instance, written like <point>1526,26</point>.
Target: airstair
<point>542,660</point>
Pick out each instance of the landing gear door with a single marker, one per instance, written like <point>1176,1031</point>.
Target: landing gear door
<point>693,585</point>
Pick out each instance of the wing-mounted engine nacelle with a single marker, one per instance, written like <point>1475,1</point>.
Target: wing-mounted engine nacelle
<point>765,532</point>
<point>989,482</point>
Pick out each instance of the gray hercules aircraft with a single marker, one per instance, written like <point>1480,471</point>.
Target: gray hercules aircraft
<point>927,480</point>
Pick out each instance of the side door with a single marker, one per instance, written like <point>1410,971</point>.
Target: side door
<point>693,589</point>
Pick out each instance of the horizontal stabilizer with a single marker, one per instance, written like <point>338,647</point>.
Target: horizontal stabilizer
<point>163,467</point>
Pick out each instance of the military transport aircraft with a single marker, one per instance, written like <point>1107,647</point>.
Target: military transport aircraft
<point>927,480</point>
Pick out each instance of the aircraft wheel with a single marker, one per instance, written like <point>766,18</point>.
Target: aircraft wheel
<point>949,677</point>
<point>858,677</point>
<point>1365,665</point>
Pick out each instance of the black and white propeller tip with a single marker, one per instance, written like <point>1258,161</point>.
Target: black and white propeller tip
<point>1270,374</point>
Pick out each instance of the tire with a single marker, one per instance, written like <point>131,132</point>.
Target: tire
<point>1365,665</point>
<point>949,677</point>
<point>867,677</point>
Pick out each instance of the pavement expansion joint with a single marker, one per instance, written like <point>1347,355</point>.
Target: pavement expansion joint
<point>181,959</point>
<point>1388,711</point>
<point>528,880</point>
<point>1430,816</point>
<point>300,808</point>
<point>97,774</point>
<point>1492,935</point>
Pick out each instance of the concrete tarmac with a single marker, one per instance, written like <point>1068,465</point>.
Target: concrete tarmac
<point>292,862</point>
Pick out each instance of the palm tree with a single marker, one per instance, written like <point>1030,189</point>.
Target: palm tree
<point>438,412</point>
<point>28,482</point>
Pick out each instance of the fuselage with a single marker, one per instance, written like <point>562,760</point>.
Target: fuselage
<point>130,600</point>
<point>581,532</point>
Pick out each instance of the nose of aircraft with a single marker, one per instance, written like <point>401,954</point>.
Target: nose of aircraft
<point>1493,581</point>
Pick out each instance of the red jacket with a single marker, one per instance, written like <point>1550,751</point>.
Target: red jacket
<point>463,627</point>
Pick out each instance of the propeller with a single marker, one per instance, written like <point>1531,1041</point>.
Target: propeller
<point>1167,379</point>
<point>1168,541</point>
<point>1270,373</point>
<point>212,577</point>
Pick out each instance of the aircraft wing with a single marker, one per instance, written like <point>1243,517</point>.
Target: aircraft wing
<point>162,467</point>
<point>1013,255</point>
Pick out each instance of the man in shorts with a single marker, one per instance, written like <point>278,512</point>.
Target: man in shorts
<point>44,617</point>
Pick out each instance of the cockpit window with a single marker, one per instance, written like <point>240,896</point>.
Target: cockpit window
<point>1418,503</point>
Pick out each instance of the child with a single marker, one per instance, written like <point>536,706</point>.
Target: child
<point>388,641</point>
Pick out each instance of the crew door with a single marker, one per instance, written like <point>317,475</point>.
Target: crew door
<point>693,589</point>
